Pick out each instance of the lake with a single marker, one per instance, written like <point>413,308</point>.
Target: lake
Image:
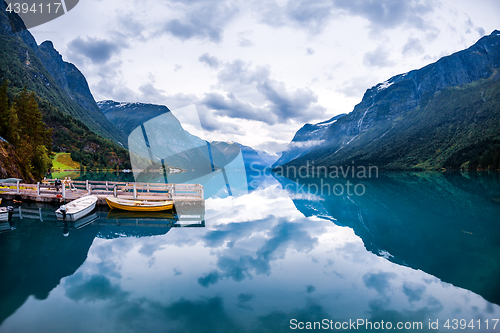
<point>407,251</point>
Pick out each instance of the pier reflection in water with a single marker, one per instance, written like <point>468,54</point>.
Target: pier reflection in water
<point>398,253</point>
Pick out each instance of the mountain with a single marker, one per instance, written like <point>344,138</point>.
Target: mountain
<point>444,115</point>
<point>42,70</point>
<point>127,116</point>
<point>259,159</point>
<point>171,136</point>
<point>306,138</point>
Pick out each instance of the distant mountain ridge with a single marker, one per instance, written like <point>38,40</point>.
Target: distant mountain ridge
<point>446,114</point>
<point>305,139</point>
<point>128,116</point>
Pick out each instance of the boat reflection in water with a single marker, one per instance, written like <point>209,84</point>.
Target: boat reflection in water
<point>136,224</point>
<point>37,256</point>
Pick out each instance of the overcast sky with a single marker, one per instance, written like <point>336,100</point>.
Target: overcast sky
<point>258,70</point>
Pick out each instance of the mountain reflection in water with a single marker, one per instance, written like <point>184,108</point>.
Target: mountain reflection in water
<point>414,247</point>
<point>446,224</point>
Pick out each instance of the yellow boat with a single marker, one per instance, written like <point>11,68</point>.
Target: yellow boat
<point>139,205</point>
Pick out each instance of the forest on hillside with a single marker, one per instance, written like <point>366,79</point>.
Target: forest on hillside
<point>35,129</point>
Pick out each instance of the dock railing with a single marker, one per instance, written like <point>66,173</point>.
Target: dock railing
<point>117,188</point>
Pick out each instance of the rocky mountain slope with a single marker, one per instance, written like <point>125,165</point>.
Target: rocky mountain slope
<point>9,162</point>
<point>446,114</point>
<point>42,70</point>
<point>305,140</point>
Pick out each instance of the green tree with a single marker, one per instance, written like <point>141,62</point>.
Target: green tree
<point>13,127</point>
<point>4,109</point>
<point>29,134</point>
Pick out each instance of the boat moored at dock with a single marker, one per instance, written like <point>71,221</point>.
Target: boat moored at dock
<point>139,205</point>
<point>77,208</point>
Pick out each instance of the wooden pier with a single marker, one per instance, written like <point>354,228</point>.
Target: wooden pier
<point>46,191</point>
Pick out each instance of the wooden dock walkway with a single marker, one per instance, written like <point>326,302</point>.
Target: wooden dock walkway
<point>46,191</point>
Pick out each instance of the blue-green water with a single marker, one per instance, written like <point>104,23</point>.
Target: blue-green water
<point>413,248</point>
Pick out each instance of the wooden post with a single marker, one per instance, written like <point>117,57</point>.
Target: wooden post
<point>64,191</point>
<point>114,190</point>
<point>148,187</point>
<point>90,188</point>
<point>38,188</point>
<point>106,185</point>
<point>135,192</point>
<point>87,184</point>
<point>17,185</point>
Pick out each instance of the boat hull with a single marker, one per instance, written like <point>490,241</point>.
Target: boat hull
<point>4,214</point>
<point>74,214</point>
<point>139,206</point>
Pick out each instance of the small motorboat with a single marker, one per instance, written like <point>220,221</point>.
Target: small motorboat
<point>139,205</point>
<point>77,208</point>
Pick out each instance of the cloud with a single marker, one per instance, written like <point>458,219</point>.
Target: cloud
<point>199,316</point>
<point>378,281</point>
<point>211,122</point>
<point>313,16</point>
<point>243,300</point>
<point>210,278</point>
<point>310,15</point>
<point>243,39</point>
<point>129,27</point>
<point>414,292</point>
<point>469,26</point>
<point>377,58</point>
<point>356,86</point>
<point>413,46</point>
<point>283,235</point>
<point>252,94</point>
<point>310,51</point>
<point>151,94</point>
<point>230,106</point>
<point>203,20</point>
<point>98,51</point>
<point>389,14</point>
<point>304,144</point>
<point>97,287</point>
<point>209,60</point>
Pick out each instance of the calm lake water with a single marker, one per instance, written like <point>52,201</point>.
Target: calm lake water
<point>413,248</point>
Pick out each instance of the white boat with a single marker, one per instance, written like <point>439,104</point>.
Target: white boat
<point>4,213</point>
<point>77,208</point>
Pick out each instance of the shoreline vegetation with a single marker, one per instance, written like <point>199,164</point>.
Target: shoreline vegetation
<point>39,137</point>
